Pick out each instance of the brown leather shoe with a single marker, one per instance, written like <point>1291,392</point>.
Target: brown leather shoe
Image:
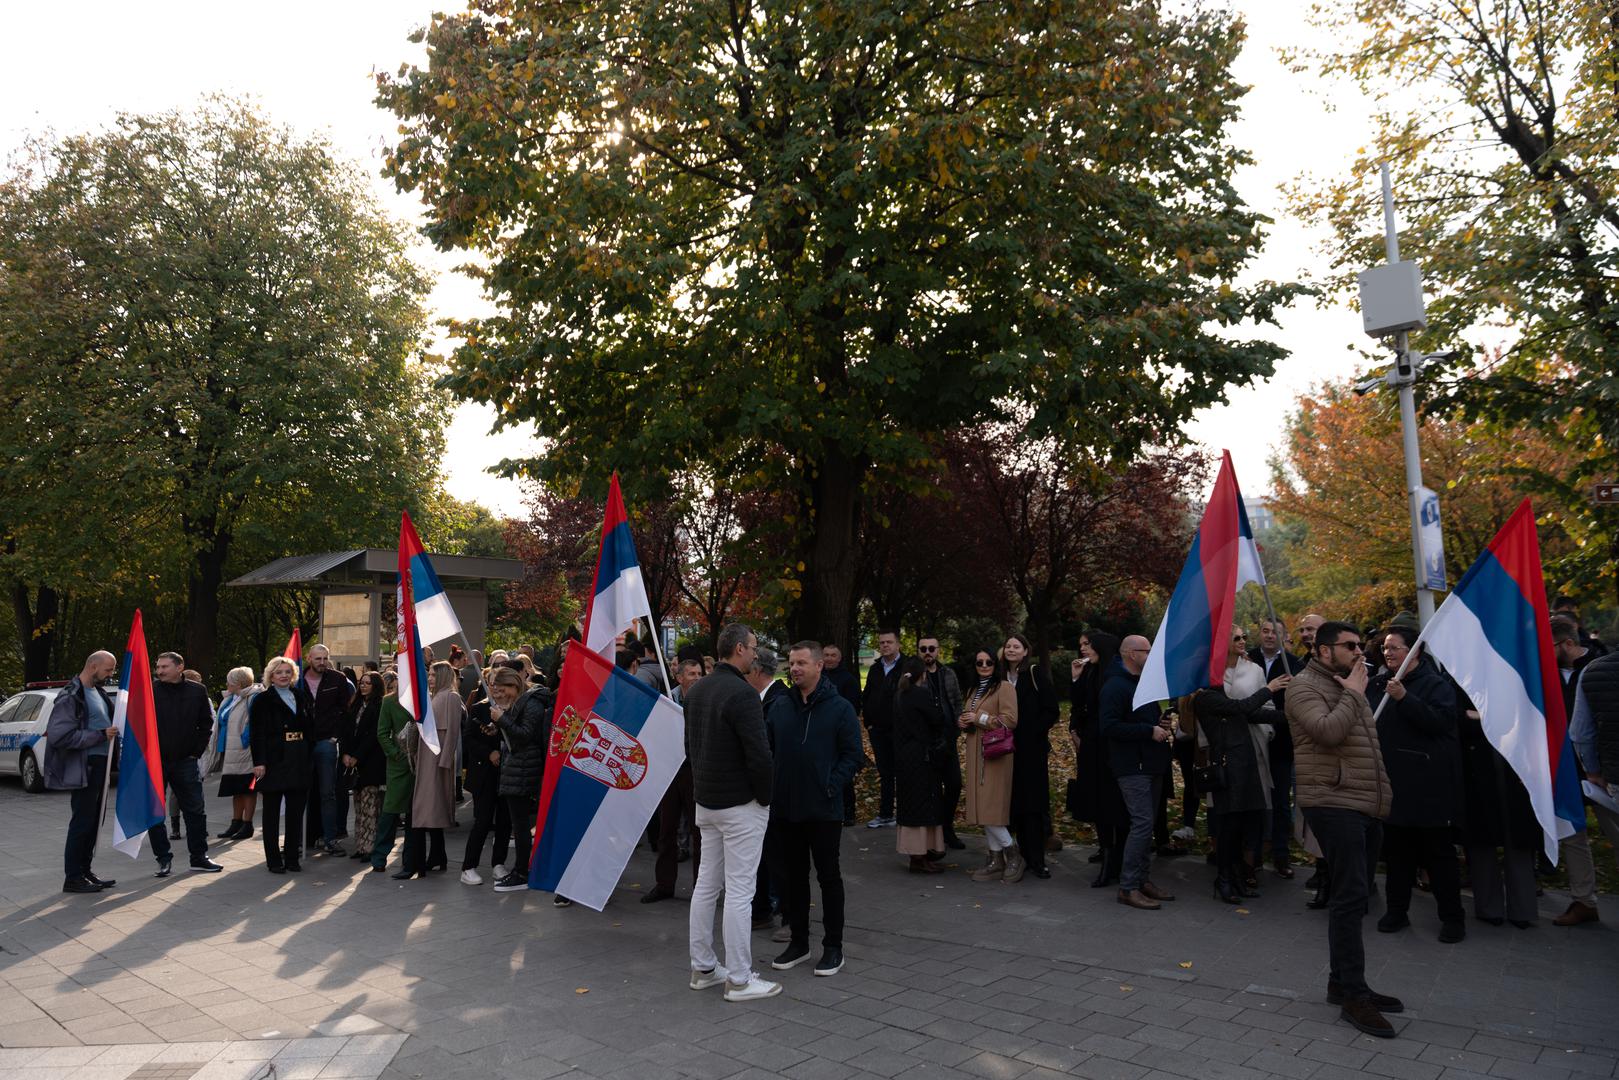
<point>1137,899</point>
<point>1155,892</point>
<point>1364,1017</point>
<point>1576,914</point>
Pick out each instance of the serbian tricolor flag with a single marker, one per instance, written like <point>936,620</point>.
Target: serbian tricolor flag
<point>1493,635</point>
<point>140,803</point>
<point>616,745</point>
<point>295,650</point>
<point>619,596</point>
<point>408,660</point>
<point>435,617</point>
<point>1189,651</point>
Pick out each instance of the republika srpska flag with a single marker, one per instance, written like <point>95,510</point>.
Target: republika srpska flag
<point>295,650</point>
<point>618,597</point>
<point>413,695</point>
<point>140,802</point>
<point>616,744</point>
<point>1493,635</point>
<point>1189,651</point>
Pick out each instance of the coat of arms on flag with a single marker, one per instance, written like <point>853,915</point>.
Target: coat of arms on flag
<point>598,748</point>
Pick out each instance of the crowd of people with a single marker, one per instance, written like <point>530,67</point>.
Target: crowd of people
<point>1381,752</point>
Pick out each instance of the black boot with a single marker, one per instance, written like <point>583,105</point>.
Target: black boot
<point>1225,891</point>
<point>1323,890</point>
<point>951,840</point>
<point>230,833</point>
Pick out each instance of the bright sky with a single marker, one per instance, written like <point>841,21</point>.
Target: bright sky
<point>309,65</point>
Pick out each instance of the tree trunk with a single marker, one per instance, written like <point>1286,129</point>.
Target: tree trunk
<point>206,575</point>
<point>825,609</point>
<point>36,629</point>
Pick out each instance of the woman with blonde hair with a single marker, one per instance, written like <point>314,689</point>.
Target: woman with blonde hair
<point>281,719</point>
<point>231,745</point>
<point>432,799</point>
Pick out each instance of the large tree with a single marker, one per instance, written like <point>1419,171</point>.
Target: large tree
<point>209,339</point>
<point>1501,120</point>
<point>814,236</point>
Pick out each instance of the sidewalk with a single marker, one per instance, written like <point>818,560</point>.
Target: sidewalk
<point>945,979</point>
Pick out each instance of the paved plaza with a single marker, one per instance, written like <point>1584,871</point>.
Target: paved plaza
<point>343,973</point>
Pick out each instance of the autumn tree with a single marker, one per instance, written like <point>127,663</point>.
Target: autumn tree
<point>1501,120</point>
<point>814,237</point>
<point>208,332</point>
<point>1339,495</point>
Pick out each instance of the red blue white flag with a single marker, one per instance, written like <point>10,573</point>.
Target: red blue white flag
<point>140,803</point>
<point>1493,635</point>
<point>295,650</point>
<point>618,597</point>
<point>616,745</point>
<point>1189,651</point>
<point>411,667</point>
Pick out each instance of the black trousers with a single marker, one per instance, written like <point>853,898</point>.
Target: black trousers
<point>1349,841</point>
<point>1030,833</point>
<point>270,825</point>
<point>950,781</point>
<point>1234,831</point>
<point>1160,813</point>
<point>882,752</point>
<point>185,781</point>
<point>1405,848</point>
<point>424,848</point>
<point>795,845</point>
<point>1186,757</point>
<point>678,806</point>
<point>81,827</point>
<point>523,811</point>
<point>489,813</point>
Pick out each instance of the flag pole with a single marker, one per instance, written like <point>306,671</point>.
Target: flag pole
<point>657,647</point>
<point>106,785</point>
<point>1404,664</point>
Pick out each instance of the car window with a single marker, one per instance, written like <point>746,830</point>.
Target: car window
<point>30,710</point>
<point>9,709</point>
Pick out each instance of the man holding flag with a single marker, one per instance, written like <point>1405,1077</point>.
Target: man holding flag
<point>78,739</point>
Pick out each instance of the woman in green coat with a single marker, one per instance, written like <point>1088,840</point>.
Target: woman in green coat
<point>391,720</point>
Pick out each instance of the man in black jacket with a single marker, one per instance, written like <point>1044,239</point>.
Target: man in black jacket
<point>332,693</point>
<point>1137,743</point>
<point>1271,654</point>
<point>184,720</point>
<point>731,779</point>
<point>78,743</point>
<point>877,710</point>
<point>847,683</point>
<point>815,745</point>
<point>1423,755</point>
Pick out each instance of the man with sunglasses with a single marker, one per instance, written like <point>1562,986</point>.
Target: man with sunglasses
<point>1345,794</point>
<point>946,691</point>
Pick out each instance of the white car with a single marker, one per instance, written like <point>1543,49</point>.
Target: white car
<point>23,717</point>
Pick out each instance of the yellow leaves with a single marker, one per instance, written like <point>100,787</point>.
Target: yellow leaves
<point>1031,152</point>
<point>444,101</point>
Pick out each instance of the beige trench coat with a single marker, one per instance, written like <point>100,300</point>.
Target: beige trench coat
<point>432,800</point>
<point>989,783</point>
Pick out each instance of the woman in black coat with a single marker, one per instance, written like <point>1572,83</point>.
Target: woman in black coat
<point>363,754</point>
<point>922,735</point>
<point>1226,716</point>
<point>281,718</point>
<point>526,728</point>
<point>1031,784</point>
<point>482,751</point>
<point>1501,833</point>
<point>1095,796</point>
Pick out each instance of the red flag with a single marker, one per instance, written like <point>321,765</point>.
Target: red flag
<point>295,650</point>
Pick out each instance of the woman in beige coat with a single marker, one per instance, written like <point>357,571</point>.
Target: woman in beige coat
<point>991,705</point>
<point>432,799</point>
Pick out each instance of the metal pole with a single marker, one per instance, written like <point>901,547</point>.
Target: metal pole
<point>1404,381</point>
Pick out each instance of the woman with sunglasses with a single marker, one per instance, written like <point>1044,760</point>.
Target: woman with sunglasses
<point>991,707</point>
<point>1031,777</point>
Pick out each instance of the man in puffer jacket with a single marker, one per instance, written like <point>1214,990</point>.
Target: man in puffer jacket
<point>1344,792</point>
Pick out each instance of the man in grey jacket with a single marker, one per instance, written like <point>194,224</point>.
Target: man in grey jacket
<point>78,738</point>
<point>731,776</point>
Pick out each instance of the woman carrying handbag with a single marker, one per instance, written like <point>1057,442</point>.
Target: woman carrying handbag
<point>989,717</point>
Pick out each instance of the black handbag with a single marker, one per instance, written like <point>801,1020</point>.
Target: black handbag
<point>1209,778</point>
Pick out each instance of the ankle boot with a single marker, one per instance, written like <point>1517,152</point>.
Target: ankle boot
<point>1323,891</point>
<point>1225,891</point>
<point>245,832</point>
<point>993,869</point>
<point>230,833</point>
<point>1015,865</point>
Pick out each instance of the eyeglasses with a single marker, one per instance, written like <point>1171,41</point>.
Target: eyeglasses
<point>983,663</point>
<point>1352,646</point>
<point>1239,637</point>
<point>927,648</point>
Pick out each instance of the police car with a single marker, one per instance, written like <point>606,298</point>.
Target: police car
<point>23,717</point>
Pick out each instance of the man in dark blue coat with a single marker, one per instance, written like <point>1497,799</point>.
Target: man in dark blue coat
<point>815,747</point>
<point>1138,750</point>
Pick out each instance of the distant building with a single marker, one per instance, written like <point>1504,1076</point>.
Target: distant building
<point>1260,517</point>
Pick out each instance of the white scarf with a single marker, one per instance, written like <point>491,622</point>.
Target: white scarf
<point>1244,681</point>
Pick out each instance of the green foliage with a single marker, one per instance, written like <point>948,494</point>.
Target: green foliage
<point>210,345</point>
<point>808,238</point>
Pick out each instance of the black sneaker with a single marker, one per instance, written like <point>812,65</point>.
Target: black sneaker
<point>1380,1002</point>
<point>205,865</point>
<point>333,849</point>
<point>80,885</point>
<point>100,883</point>
<point>831,961</point>
<point>794,955</point>
<point>512,882</point>
<point>561,901</point>
<point>165,867</point>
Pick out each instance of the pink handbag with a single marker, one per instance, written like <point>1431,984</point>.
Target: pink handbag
<point>996,743</point>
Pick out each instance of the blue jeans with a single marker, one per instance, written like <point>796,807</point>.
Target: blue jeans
<point>1141,800</point>
<point>186,781</point>
<point>325,763</point>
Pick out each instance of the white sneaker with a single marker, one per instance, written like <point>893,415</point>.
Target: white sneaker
<point>501,870</point>
<point>472,877</point>
<point>702,980</point>
<point>1184,833</point>
<point>752,990</point>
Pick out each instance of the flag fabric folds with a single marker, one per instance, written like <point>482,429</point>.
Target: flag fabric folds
<point>140,803</point>
<point>295,650</point>
<point>435,616</point>
<point>616,744</point>
<point>1493,636</point>
<point>1189,650</point>
<point>413,695</point>
<point>618,597</point>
